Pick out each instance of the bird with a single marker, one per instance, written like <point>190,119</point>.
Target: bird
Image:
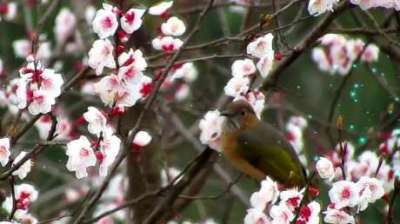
<point>257,148</point>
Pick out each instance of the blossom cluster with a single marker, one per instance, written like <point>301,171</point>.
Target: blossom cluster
<point>83,153</point>
<point>318,7</point>
<point>36,89</point>
<point>367,179</point>
<point>243,72</point>
<point>125,86</point>
<point>25,195</point>
<point>338,53</point>
<point>170,29</point>
<point>5,157</point>
<point>239,87</point>
<point>270,205</point>
<point>367,4</point>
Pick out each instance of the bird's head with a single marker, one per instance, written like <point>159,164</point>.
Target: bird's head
<point>239,115</point>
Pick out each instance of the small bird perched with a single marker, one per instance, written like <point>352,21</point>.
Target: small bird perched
<point>257,149</point>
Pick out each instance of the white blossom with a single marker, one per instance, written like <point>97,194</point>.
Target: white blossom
<point>160,8</point>
<point>335,216</point>
<point>105,22</point>
<point>243,67</point>
<point>80,156</point>
<point>173,27</point>
<point>344,194</point>
<point>25,168</point>
<point>97,122</point>
<point>166,43</point>
<point>237,86</point>
<point>325,169</point>
<point>101,55</point>
<point>318,7</point>
<point>265,64</point>
<point>268,193</point>
<point>4,151</point>
<point>132,20</point>
<point>142,138</point>
<point>210,129</point>
<point>65,25</point>
<point>261,46</point>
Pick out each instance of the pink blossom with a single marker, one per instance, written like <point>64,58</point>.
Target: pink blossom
<point>173,27</point>
<point>309,214</point>
<point>366,4</point>
<point>243,67</point>
<point>336,216</point>
<point>261,46</point>
<point>25,195</point>
<point>42,78</point>
<point>133,58</point>
<point>292,198</point>
<point>132,20</point>
<point>182,92</point>
<point>65,25</point>
<point>187,72</point>
<point>321,58</point>
<point>40,102</point>
<point>80,156</point>
<point>318,7</point>
<point>256,216</point>
<point>371,53</point>
<point>333,39</point>
<point>25,168</point>
<point>256,99</point>
<point>237,86</point>
<point>9,10</point>
<point>294,130</point>
<point>166,43</point>
<point>97,122</point>
<point>210,129</point>
<point>109,149</point>
<point>281,214</point>
<point>160,8</point>
<point>132,65</point>
<point>17,92</point>
<point>355,48</point>
<point>344,194</point>
<point>386,174</point>
<point>4,151</point>
<point>101,55</point>
<point>371,189</point>
<point>142,138</point>
<point>265,64</point>
<point>268,193</point>
<point>325,169</point>
<point>63,127</point>
<point>105,22</point>
<point>341,60</point>
<point>114,90</point>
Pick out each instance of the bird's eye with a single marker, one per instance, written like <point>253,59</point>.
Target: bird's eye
<point>243,113</point>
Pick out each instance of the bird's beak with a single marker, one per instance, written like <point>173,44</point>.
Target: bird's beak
<point>226,113</point>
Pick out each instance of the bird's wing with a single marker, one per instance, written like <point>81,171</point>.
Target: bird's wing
<point>267,149</point>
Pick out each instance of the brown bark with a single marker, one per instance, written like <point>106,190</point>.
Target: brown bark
<point>143,168</point>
